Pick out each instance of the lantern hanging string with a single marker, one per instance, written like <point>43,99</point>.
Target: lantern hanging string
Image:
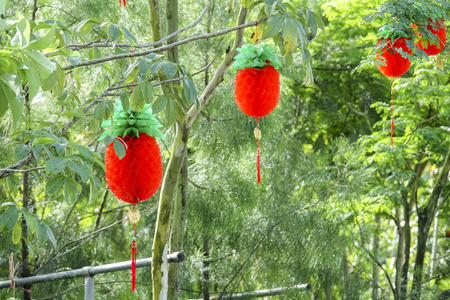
<point>257,134</point>
<point>134,216</point>
<point>392,113</point>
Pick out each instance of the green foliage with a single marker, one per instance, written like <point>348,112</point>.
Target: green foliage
<point>131,123</point>
<point>254,56</point>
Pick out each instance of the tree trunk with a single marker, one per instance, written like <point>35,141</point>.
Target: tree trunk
<point>400,258</point>
<point>165,207</point>
<point>155,19</point>
<point>26,271</point>
<point>205,269</point>
<point>327,284</point>
<point>346,275</point>
<point>426,216</point>
<point>173,169</point>
<point>178,227</point>
<point>172,26</point>
<point>435,244</point>
<point>376,257</point>
<point>407,245</point>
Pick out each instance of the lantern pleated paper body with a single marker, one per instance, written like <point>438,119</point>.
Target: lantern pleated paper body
<point>395,65</point>
<point>257,86</point>
<point>438,29</point>
<point>135,176</point>
<point>257,91</point>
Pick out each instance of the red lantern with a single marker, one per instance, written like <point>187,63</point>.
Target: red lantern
<point>438,29</point>
<point>257,85</point>
<point>137,175</point>
<point>396,64</point>
<point>257,91</point>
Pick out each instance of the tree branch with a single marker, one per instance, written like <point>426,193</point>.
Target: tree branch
<point>167,47</point>
<point>137,46</point>
<point>223,67</point>
<point>15,167</point>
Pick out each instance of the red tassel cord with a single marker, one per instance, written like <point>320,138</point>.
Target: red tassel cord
<point>133,261</point>
<point>392,113</point>
<point>124,3</point>
<point>258,168</point>
<point>257,134</point>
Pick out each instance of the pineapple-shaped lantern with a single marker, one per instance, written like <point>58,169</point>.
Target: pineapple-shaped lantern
<point>257,85</point>
<point>136,176</point>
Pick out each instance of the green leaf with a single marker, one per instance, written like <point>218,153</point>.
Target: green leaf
<point>144,66</point>
<point>2,6</point>
<point>289,59</point>
<point>130,69</point>
<point>44,65</point>
<point>50,82</point>
<point>119,148</point>
<point>171,112</point>
<point>99,111</point>
<point>92,190</point>
<point>125,100</point>
<point>143,93</point>
<point>21,151</point>
<point>41,230</point>
<point>159,104</point>
<point>80,169</point>
<point>108,140</point>
<point>113,32</point>
<point>156,66</point>
<point>128,36</point>
<point>9,218</point>
<point>55,165</point>
<point>189,90</point>
<point>270,6</point>
<point>33,79</point>
<point>51,236</point>
<point>246,3</point>
<point>319,21</point>
<point>29,219</point>
<point>169,70</point>
<point>86,25</point>
<point>7,96</point>
<point>85,152</point>
<point>43,141</point>
<point>42,42</point>
<point>274,25</point>
<point>54,184</point>
<point>290,35</point>
<point>17,233</point>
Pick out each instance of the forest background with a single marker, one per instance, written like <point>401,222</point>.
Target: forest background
<point>337,207</point>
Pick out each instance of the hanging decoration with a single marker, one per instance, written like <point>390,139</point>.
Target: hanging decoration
<point>137,175</point>
<point>437,28</point>
<point>395,65</point>
<point>257,85</point>
<point>124,3</point>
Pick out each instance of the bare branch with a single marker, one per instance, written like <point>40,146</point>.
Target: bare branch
<point>22,171</point>
<point>15,167</point>
<point>163,48</point>
<point>91,235</point>
<point>137,46</point>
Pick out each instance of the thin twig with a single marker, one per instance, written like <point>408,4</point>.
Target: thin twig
<point>13,168</point>
<point>22,171</point>
<point>147,45</point>
<point>54,255</point>
<point>162,48</point>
